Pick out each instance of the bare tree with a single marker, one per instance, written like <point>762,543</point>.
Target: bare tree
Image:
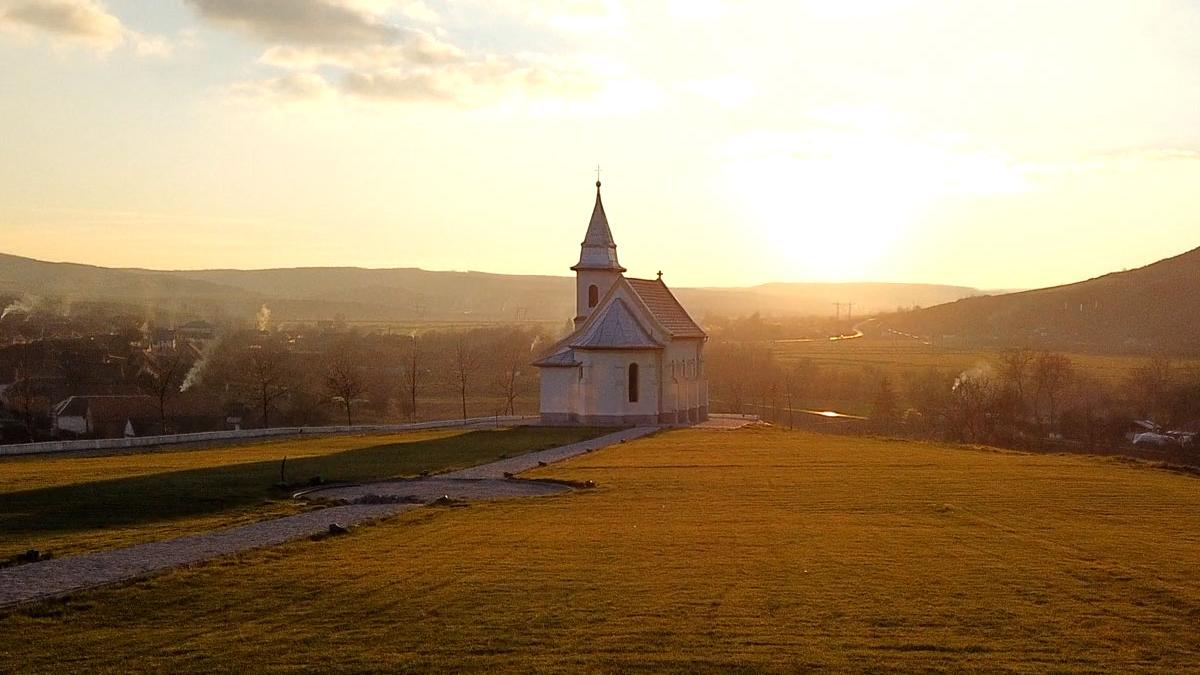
<point>1051,374</point>
<point>972,405</point>
<point>884,406</point>
<point>508,382</point>
<point>466,362</point>
<point>24,393</point>
<point>268,375</point>
<point>514,353</point>
<point>412,374</point>
<point>345,383</point>
<point>1152,383</point>
<point>930,393</point>
<point>162,376</point>
<point>1016,367</point>
<point>1086,400</point>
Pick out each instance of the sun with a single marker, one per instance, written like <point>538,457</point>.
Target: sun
<point>832,206</point>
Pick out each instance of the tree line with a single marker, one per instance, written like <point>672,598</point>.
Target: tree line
<point>1023,398</point>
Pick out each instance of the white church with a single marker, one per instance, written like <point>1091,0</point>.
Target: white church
<point>635,356</point>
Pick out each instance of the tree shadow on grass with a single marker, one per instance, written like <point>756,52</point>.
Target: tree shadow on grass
<point>138,500</point>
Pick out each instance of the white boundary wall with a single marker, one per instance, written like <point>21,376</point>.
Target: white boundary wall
<point>243,434</point>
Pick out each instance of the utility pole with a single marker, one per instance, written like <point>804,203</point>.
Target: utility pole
<point>849,311</point>
<point>838,310</point>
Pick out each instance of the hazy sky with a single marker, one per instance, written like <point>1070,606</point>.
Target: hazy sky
<point>993,144</point>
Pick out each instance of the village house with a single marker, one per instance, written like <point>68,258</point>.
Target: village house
<point>105,416</point>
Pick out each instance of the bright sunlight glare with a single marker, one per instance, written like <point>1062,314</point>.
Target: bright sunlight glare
<point>833,203</point>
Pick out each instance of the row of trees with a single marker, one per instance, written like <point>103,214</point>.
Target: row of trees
<point>278,378</point>
<point>285,378</point>
<point>1023,398</point>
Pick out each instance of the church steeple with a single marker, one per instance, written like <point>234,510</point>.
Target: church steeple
<point>597,269</point>
<point>598,250</point>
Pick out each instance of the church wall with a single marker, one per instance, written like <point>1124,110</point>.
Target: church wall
<point>559,393</point>
<point>685,384</point>
<point>605,386</point>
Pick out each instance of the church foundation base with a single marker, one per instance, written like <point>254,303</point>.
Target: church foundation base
<point>571,419</point>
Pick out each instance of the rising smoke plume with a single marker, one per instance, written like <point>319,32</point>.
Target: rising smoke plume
<point>262,320</point>
<point>17,306</point>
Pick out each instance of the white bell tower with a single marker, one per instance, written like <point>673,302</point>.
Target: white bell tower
<point>597,269</point>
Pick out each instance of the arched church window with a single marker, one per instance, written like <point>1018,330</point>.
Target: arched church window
<point>593,295</point>
<point>633,383</point>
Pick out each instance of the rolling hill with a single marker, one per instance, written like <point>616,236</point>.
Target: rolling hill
<point>1156,307</point>
<point>405,294</point>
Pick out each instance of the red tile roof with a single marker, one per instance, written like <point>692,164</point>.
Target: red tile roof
<point>121,408</point>
<point>665,308</point>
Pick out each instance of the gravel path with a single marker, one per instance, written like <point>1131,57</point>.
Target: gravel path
<point>534,459</point>
<point>57,577</point>
<point>60,576</point>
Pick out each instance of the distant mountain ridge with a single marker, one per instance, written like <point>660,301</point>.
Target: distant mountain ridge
<point>400,294</point>
<point>1156,307</point>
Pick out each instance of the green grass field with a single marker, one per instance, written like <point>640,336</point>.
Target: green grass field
<point>69,505</point>
<point>755,549</point>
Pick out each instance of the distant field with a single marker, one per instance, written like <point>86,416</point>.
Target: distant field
<point>421,326</point>
<point>900,356</point>
<point>755,549</point>
<point>70,505</point>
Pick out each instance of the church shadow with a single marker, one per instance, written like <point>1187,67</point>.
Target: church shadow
<point>162,497</point>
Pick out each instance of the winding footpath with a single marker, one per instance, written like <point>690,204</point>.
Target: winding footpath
<point>61,576</point>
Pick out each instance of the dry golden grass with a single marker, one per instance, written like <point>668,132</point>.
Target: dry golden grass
<point>755,549</point>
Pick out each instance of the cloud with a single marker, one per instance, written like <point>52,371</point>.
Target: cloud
<point>312,22</point>
<point>285,89</point>
<point>357,49</point>
<point>573,17</point>
<point>475,82</point>
<point>414,47</point>
<point>85,23</point>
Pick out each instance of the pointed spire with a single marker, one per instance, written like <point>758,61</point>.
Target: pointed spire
<point>599,250</point>
<point>598,233</point>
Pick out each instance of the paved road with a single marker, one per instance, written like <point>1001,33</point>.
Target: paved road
<point>61,576</point>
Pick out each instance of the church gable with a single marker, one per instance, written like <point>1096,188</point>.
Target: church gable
<point>614,326</point>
